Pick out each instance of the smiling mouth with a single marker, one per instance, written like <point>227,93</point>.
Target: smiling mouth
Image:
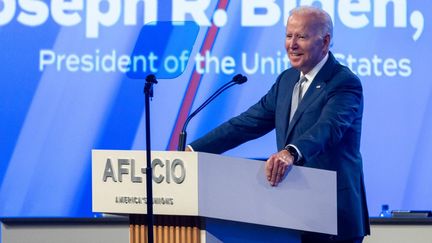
<point>295,54</point>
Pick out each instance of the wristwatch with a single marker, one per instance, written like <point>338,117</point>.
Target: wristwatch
<point>293,152</point>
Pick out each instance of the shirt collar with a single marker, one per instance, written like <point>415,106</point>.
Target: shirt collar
<point>312,73</point>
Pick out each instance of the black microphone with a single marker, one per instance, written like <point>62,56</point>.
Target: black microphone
<point>238,79</point>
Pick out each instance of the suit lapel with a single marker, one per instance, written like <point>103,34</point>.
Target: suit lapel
<point>317,86</point>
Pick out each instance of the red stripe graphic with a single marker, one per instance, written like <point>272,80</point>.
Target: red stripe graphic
<point>194,83</point>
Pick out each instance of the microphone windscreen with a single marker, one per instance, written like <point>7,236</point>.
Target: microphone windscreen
<point>239,79</point>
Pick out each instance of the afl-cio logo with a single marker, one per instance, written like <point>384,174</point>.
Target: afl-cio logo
<point>121,169</point>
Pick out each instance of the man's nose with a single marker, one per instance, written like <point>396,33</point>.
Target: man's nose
<point>293,43</point>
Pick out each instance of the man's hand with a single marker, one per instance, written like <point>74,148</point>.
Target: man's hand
<point>188,149</point>
<point>277,165</point>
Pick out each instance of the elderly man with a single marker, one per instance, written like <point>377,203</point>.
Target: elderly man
<point>316,108</point>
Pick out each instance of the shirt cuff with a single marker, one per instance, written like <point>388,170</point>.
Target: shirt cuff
<point>299,154</point>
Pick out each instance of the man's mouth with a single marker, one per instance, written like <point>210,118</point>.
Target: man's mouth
<point>295,54</point>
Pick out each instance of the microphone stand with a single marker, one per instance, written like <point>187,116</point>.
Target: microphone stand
<point>238,79</point>
<point>148,91</point>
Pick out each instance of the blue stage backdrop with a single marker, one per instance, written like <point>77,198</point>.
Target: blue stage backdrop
<point>65,88</point>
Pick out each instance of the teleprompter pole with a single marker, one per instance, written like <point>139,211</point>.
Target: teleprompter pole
<point>148,92</point>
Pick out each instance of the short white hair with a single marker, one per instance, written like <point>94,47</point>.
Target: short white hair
<point>324,22</point>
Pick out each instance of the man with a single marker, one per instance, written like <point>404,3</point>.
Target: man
<point>316,108</point>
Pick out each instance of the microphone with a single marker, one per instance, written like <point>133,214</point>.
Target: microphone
<point>238,79</point>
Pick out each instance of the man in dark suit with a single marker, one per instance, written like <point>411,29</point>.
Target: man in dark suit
<point>316,108</point>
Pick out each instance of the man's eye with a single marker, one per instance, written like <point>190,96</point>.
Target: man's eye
<point>289,36</point>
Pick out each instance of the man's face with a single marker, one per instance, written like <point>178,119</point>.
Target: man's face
<point>304,45</point>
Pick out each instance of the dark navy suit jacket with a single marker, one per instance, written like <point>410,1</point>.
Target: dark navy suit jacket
<point>326,128</point>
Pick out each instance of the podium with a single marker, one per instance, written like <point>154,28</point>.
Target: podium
<point>201,197</point>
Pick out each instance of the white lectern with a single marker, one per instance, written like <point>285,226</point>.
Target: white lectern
<point>201,197</point>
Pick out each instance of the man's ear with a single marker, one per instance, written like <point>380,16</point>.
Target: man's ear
<point>326,41</point>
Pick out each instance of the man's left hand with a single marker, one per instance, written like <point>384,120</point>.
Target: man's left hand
<point>277,165</point>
